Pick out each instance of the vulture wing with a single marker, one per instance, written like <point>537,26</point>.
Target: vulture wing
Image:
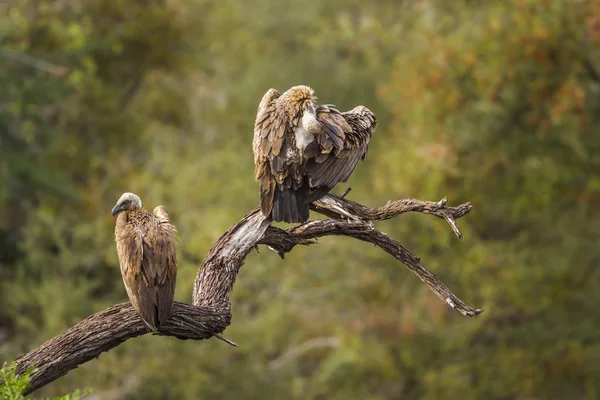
<point>338,149</point>
<point>281,190</point>
<point>135,255</point>
<point>269,131</point>
<point>165,263</point>
<point>146,245</point>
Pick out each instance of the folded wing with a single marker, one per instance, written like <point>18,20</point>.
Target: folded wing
<point>135,254</point>
<point>281,177</point>
<point>269,131</point>
<point>165,264</point>
<point>338,149</point>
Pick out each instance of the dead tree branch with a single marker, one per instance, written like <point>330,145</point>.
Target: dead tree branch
<point>107,329</point>
<point>210,313</point>
<point>339,207</point>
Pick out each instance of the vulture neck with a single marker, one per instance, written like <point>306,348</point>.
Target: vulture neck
<point>121,220</point>
<point>303,135</point>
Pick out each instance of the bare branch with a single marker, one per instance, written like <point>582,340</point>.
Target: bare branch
<point>107,329</point>
<point>337,207</point>
<point>210,313</point>
<point>229,342</point>
<point>365,231</point>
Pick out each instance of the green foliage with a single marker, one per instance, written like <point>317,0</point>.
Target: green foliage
<point>491,102</point>
<point>12,385</point>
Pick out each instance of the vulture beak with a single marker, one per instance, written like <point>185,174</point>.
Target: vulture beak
<point>116,209</point>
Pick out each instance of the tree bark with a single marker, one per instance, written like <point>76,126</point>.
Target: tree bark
<point>210,313</point>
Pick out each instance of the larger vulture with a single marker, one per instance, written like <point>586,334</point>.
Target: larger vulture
<point>302,150</point>
<point>146,245</point>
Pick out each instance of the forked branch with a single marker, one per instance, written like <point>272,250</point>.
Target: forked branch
<point>354,220</point>
<point>210,313</point>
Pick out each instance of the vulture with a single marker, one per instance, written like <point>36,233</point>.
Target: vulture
<point>146,244</point>
<point>303,149</point>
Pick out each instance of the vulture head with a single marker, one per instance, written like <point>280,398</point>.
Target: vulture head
<point>299,99</point>
<point>127,202</point>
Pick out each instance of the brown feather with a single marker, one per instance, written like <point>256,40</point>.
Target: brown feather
<point>146,246</point>
<point>267,190</point>
<point>277,162</point>
<point>330,146</point>
<point>331,167</point>
<point>165,253</point>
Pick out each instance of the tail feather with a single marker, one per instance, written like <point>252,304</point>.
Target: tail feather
<point>289,205</point>
<point>267,190</point>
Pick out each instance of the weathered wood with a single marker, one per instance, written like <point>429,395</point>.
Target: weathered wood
<point>210,313</point>
<point>107,329</point>
<point>218,272</point>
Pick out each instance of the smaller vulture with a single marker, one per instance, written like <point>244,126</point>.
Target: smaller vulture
<point>303,149</point>
<point>146,245</point>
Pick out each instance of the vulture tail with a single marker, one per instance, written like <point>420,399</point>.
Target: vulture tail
<point>290,205</point>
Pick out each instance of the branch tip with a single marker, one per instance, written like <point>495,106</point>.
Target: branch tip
<point>472,313</point>
<point>335,207</point>
<point>450,219</point>
<point>226,340</point>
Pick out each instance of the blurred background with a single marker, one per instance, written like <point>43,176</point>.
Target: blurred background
<point>493,102</point>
